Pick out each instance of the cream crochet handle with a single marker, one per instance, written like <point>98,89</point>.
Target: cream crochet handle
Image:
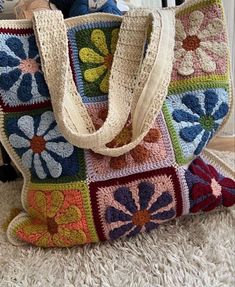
<point>152,81</point>
<point>127,83</point>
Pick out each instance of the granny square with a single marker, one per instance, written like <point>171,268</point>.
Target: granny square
<point>154,152</point>
<point>200,49</point>
<point>59,216</point>
<point>193,118</point>
<point>92,47</point>
<point>130,205</point>
<point>42,149</point>
<point>22,84</point>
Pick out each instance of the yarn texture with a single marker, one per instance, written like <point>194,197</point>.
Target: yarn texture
<point>1,5</point>
<point>150,168</point>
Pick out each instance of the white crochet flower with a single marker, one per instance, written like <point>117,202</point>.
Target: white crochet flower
<point>43,144</point>
<point>195,43</point>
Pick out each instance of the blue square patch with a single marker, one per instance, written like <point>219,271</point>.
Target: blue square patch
<point>42,149</point>
<point>193,118</point>
<point>22,84</point>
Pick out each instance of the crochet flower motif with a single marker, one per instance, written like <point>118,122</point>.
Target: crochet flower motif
<point>43,145</point>
<point>52,224</point>
<point>212,190</point>
<point>136,215</point>
<point>196,44</point>
<point>202,121</point>
<point>21,73</point>
<point>103,60</point>
<point>140,154</point>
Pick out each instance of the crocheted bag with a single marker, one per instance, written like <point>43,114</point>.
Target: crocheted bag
<point>100,167</point>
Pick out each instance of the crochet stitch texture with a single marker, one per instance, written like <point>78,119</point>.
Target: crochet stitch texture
<point>1,5</point>
<point>73,196</point>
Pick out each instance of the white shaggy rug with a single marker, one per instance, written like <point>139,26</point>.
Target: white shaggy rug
<point>196,251</point>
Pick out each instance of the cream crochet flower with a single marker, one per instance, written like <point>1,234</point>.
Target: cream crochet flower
<point>196,44</point>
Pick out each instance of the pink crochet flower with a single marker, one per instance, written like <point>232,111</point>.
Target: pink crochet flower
<point>196,44</point>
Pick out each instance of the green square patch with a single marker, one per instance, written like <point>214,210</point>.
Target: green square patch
<point>92,47</point>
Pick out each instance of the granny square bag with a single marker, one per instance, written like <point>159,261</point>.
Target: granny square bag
<point>108,119</point>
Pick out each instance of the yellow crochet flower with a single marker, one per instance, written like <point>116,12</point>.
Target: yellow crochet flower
<point>52,223</point>
<point>104,59</point>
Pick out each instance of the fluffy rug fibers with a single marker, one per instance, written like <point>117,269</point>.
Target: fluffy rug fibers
<point>192,251</point>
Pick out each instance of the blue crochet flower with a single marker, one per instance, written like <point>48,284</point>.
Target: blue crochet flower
<point>41,146</point>
<point>133,216</point>
<point>20,72</point>
<point>202,119</point>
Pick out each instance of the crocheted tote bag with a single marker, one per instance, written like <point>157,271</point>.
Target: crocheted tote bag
<point>108,119</point>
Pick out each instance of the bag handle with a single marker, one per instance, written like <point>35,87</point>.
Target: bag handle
<point>153,80</point>
<point>70,113</point>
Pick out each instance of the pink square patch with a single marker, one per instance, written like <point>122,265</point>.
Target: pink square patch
<point>128,206</point>
<point>200,44</point>
<point>154,152</point>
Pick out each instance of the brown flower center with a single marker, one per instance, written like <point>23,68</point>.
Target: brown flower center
<point>29,66</point>
<point>108,60</point>
<point>191,43</point>
<point>38,144</point>
<point>141,217</point>
<point>153,136</point>
<point>52,226</point>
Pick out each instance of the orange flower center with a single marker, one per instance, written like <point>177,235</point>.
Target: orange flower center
<point>52,226</point>
<point>29,66</point>
<point>108,60</point>
<point>38,144</point>
<point>216,188</point>
<point>141,217</point>
<point>191,43</point>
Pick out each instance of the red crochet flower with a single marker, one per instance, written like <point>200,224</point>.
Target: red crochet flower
<point>214,189</point>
